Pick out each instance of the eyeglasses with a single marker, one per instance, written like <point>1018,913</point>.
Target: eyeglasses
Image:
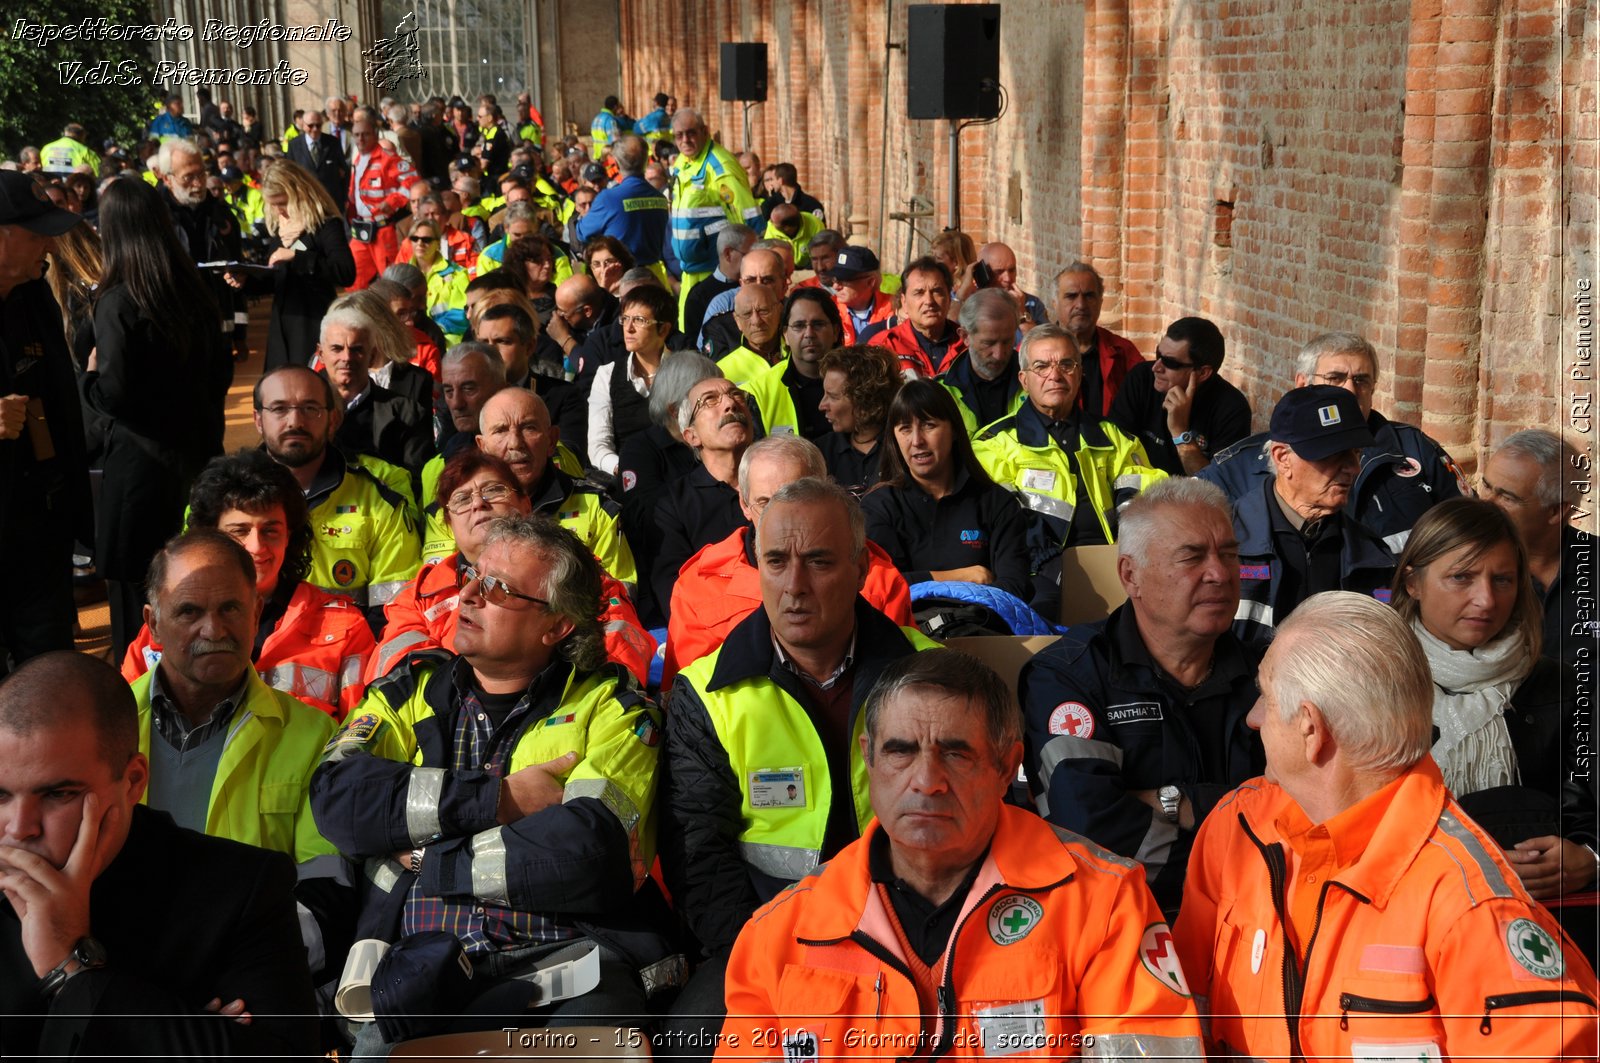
<point>810,326</point>
<point>1173,364</point>
<point>715,398</point>
<point>309,410</point>
<point>424,239</point>
<point>491,494</point>
<point>1501,495</point>
<point>633,321</point>
<point>493,588</point>
<point>1066,366</point>
<point>1362,381</point>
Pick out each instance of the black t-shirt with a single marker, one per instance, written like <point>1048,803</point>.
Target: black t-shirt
<point>927,926</point>
<point>1219,416</point>
<point>975,524</point>
<point>807,396</point>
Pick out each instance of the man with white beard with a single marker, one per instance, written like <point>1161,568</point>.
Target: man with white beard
<point>206,226</point>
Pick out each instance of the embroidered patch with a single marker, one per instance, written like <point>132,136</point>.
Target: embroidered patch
<point>972,538</point>
<point>362,729</point>
<point>1072,718</point>
<point>630,479</point>
<point>347,509</point>
<point>556,721</point>
<point>344,573</point>
<point>1133,712</point>
<point>571,514</point>
<point>1328,415</point>
<point>799,1046</point>
<point>1532,946</point>
<point>1159,954</point>
<point>1383,594</point>
<point>647,732</point>
<point>1013,917</point>
<point>1255,571</point>
<point>1411,468</point>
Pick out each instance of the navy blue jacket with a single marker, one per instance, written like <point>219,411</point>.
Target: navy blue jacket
<point>633,212</point>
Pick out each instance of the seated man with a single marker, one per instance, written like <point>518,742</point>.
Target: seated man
<point>1071,469</point>
<point>534,362</point>
<point>364,540</point>
<point>471,374</point>
<point>515,427</point>
<point>376,421</point>
<point>734,833</point>
<point>767,264</point>
<point>1002,263</point>
<point>310,644</point>
<point>904,941</point>
<point>756,311</point>
<point>1136,724</point>
<point>719,586</point>
<point>1403,472</point>
<point>788,395</point>
<point>732,242</point>
<point>1296,535</point>
<point>925,340</point>
<point>857,280</point>
<point>1107,357</point>
<point>987,383</point>
<point>1535,477</point>
<point>1385,923</point>
<point>702,507</point>
<point>94,937</point>
<point>1178,405</point>
<point>502,794</point>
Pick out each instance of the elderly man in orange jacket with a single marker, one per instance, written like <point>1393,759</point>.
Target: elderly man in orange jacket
<point>1343,907</point>
<point>957,924</point>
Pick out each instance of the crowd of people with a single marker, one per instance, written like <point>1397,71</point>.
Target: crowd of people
<point>570,648</point>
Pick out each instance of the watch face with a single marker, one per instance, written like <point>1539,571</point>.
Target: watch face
<point>89,952</point>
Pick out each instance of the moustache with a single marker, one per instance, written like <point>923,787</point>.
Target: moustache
<point>200,647</point>
<point>515,455</point>
<point>734,418</point>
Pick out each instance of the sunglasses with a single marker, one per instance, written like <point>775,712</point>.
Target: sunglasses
<point>1173,364</point>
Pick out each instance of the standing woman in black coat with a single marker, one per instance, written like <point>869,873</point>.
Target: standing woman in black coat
<point>309,266</point>
<point>159,374</point>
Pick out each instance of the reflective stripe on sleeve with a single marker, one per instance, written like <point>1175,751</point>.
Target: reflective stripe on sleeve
<point>1134,1046</point>
<point>489,866</point>
<point>423,793</point>
<point>608,794</point>
<point>780,861</point>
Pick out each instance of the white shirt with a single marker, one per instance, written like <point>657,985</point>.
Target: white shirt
<point>602,440</point>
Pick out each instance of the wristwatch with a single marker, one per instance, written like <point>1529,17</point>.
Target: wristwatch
<point>88,954</point>
<point>416,862</point>
<point>1169,796</point>
<point>1183,437</point>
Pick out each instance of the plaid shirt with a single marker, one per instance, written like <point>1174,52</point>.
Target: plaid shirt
<point>478,745</point>
<point>168,721</point>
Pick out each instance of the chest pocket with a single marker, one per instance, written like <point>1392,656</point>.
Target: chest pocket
<point>343,535</point>
<point>823,1006</point>
<point>1377,1008</point>
<point>1015,1008</point>
<point>280,803</point>
<point>1249,969</point>
<point>549,739</point>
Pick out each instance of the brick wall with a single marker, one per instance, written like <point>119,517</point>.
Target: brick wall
<point>1420,171</point>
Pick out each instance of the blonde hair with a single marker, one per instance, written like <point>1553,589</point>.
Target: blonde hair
<point>368,311</point>
<point>76,263</point>
<point>309,202</point>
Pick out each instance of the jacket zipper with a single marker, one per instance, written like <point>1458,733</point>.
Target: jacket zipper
<point>1539,996</point>
<point>1349,1002</point>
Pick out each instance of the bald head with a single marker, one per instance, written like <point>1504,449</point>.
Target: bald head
<point>578,300</point>
<point>515,427</point>
<point>57,689</point>
<point>1003,261</point>
<point>755,310</point>
<point>762,267</point>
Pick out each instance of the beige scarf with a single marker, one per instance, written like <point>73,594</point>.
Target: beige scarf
<point>1471,691</point>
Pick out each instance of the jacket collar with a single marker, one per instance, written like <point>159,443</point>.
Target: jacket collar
<point>747,652</point>
<point>1033,428</point>
<point>1130,655</point>
<point>552,489</point>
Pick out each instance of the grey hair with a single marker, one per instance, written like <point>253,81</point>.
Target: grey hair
<point>1039,334</point>
<point>733,236</point>
<point>174,147</point>
<point>490,357</point>
<point>407,274</point>
<point>987,303</point>
<point>1358,662</point>
<point>1553,455</point>
<point>1139,524</point>
<point>797,449</point>
<point>572,585</point>
<point>1083,267</point>
<point>674,380</point>
<point>956,673</point>
<point>155,584</point>
<point>519,211</point>
<point>1305,363</point>
<point>629,151</point>
<point>369,311</point>
<point>813,490</point>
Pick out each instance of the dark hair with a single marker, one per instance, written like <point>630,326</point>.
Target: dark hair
<point>143,256</point>
<point>785,172</point>
<point>495,280</point>
<point>929,264</point>
<point>660,302</point>
<point>519,320</point>
<point>523,252</point>
<point>327,387</point>
<point>37,696</point>
<point>952,672</point>
<point>1206,345</point>
<point>871,375</point>
<point>250,480</point>
<point>195,539</point>
<point>824,302</point>
<point>926,400</point>
<point>609,243</point>
<point>466,464</point>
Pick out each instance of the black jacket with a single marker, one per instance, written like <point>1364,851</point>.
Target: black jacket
<point>695,303</point>
<point>694,511</point>
<point>975,524</point>
<point>1219,416</point>
<point>302,289</point>
<point>327,164</point>
<point>388,426</point>
<point>711,885</point>
<point>1103,721</point>
<point>1571,619</point>
<point>648,463</point>
<point>227,930</point>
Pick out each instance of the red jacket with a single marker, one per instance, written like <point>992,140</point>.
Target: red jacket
<point>902,340</point>
<point>1117,356</point>
<point>1058,947</point>
<point>423,616</point>
<point>382,186</point>
<point>1425,944</point>
<point>317,653</point>
<point>882,307</point>
<point>718,587</point>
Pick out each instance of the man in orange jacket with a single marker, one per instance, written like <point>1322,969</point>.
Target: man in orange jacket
<point>719,586</point>
<point>957,924</point>
<point>1344,906</point>
<point>378,182</point>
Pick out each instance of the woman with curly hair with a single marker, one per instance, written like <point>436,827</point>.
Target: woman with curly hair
<point>607,260</point>
<point>858,383</point>
<point>532,261</point>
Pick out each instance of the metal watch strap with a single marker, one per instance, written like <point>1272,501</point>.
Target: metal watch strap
<point>86,952</point>
<point>416,861</point>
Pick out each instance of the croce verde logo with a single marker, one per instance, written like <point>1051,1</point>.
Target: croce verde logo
<point>1013,917</point>
<point>1533,947</point>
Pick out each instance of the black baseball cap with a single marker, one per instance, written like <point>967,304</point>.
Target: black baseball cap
<point>420,978</point>
<point>855,262</point>
<point>231,173</point>
<point>24,202</point>
<point>594,173</point>
<point>1320,421</point>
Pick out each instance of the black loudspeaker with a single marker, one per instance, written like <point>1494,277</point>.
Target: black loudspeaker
<point>953,61</point>
<point>744,71</point>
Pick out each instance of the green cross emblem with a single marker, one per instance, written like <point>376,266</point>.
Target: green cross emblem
<point>1013,917</point>
<point>1016,920</point>
<point>1534,944</point>
<point>1533,948</point>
